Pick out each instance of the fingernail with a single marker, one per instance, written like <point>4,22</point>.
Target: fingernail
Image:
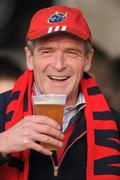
<point>60,144</point>
<point>51,153</point>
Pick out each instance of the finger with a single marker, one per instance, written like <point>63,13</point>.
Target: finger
<point>46,139</point>
<point>42,120</point>
<point>37,147</point>
<point>46,129</point>
<point>46,120</point>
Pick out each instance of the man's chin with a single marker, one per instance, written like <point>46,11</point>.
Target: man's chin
<point>58,91</point>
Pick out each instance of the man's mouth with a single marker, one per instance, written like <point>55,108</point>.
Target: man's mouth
<point>58,78</point>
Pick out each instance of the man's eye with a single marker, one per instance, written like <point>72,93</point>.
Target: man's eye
<point>45,52</point>
<point>72,53</point>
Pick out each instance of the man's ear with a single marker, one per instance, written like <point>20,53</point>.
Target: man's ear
<point>29,59</point>
<point>88,60</point>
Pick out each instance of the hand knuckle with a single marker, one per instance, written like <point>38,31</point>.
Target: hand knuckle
<point>25,142</point>
<point>46,138</point>
<point>47,129</point>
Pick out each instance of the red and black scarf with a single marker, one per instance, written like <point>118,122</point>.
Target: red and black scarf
<point>103,153</point>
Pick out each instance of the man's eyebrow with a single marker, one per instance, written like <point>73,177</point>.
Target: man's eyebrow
<point>44,48</point>
<point>74,49</point>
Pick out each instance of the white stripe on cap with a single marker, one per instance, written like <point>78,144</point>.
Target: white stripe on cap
<point>63,28</point>
<point>50,29</point>
<point>57,28</point>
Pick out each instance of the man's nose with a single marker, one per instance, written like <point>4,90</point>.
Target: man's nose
<point>59,61</point>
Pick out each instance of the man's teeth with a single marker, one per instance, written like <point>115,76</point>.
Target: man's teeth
<point>58,77</point>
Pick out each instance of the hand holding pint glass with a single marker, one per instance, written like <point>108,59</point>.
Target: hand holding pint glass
<point>50,105</point>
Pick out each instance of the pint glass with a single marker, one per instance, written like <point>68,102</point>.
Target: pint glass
<point>51,105</point>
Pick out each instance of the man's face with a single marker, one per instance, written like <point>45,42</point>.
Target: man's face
<point>58,63</point>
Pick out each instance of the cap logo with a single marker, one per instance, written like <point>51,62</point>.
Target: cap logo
<point>57,17</point>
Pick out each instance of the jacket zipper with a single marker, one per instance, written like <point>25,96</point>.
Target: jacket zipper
<point>55,170</point>
<point>56,167</point>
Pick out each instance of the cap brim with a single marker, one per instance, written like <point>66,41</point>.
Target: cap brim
<point>39,35</point>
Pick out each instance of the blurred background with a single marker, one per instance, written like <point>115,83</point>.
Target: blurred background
<point>103,17</point>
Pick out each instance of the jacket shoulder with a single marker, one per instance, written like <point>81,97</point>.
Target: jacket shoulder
<point>4,100</point>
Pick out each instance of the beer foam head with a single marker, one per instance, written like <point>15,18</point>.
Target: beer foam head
<point>49,99</point>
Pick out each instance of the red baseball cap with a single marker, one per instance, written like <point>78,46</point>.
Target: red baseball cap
<point>58,18</point>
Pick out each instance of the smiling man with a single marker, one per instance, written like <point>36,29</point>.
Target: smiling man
<point>58,56</point>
